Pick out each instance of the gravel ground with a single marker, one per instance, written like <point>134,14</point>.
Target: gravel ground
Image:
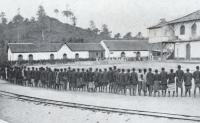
<point>17,111</point>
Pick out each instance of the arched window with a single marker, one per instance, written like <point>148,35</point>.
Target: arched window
<point>30,57</point>
<point>64,56</point>
<point>76,56</point>
<point>123,54</point>
<point>51,56</point>
<point>182,30</point>
<point>20,57</point>
<point>194,29</point>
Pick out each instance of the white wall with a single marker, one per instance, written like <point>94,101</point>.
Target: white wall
<point>117,54</point>
<point>180,49</point>
<point>71,54</point>
<point>46,55</point>
<point>161,34</point>
<point>188,35</point>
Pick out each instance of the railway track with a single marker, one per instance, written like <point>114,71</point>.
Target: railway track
<point>102,108</point>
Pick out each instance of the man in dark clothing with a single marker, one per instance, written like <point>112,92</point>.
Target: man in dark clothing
<point>65,79</point>
<point>128,80</point>
<point>196,76</point>
<point>171,82</point>
<point>110,79</point>
<point>179,80</point>
<point>28,77</point>
<point>105,80</point>
<point>150,81</point>
<point>33,76</point>
<point>188,82</point>
<point>134,81</point>
<point>122,82</point>
<point>163,77</point>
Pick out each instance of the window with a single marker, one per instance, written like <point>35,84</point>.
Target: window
<point>194,29</point>
<point>20,57</point>
<point>51,56</point>
<point>123,54</point>
<point>64,56</point>
<point>30,57</point>
<point>182,30</point>
<point>97,54</point>
<point>76,56</point>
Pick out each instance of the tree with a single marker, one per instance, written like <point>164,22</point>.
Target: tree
<point>32,19</point>
<point>128,36</point>
<point>3,18</point>
<point>74,20</point>
<point>117,36</point>
<point>67,13</point>
<point>42,18</point>
<point>18,19</point>
<point>139,36</point>
<point>105,31</point>
<point>93,27</point>
<point>56,11</point>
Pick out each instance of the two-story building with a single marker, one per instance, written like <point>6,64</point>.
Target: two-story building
<point>184,32</point>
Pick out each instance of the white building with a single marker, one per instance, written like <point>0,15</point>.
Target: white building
<point>184,32</point>
<point>50,51</point>
<point>127,48</point>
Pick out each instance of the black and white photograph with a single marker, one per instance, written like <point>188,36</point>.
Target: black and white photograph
<point>99,61</point>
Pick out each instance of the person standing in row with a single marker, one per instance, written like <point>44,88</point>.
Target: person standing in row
<point>144,82</point>
<point>134,81</point>
<point>150,81</point>
<point>196,76</point>
<point>171,82</point>
<point>140,81</point>
<point>157,83</point>
<point>163,77</point>
<point>188,82</point>
<point>179,80</point>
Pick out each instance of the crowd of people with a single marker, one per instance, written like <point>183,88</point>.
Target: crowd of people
<point>112,80</point>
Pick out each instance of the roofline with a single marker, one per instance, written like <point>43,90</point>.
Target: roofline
<point>182,21</point>
<point>170,22</point>
<point>128,50</point>
<point>183,41</point>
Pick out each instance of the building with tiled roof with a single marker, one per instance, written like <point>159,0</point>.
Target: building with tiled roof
<point>46,51</point>
<point>128,48</point>
<point>184,32</point>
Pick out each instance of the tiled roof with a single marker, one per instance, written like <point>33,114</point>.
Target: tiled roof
<point>31,48</point>
<point>85,46</point>
<point>190,17</point>
<point>158,25</point>
<point>128,45</point>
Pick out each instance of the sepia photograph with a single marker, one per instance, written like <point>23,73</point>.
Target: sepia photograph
<point>99,61</point>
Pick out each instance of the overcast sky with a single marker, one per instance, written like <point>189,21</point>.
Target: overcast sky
<point>120,15</point>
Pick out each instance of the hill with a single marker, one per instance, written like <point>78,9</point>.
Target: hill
<point>56,31</point>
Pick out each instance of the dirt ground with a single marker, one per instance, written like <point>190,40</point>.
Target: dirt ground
<point>17,111</point>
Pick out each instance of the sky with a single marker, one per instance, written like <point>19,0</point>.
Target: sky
<point>120,15</point>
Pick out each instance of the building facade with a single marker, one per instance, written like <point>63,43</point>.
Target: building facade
<point>184,32</point>
<point>51,51</point>
<point>126,48</point>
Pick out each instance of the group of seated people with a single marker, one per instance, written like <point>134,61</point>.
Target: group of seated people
<point>110,80</point>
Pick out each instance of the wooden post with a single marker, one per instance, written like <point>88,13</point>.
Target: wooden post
<point>161,51</point>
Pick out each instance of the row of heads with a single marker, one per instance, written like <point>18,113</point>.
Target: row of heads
<point>105,69</point>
